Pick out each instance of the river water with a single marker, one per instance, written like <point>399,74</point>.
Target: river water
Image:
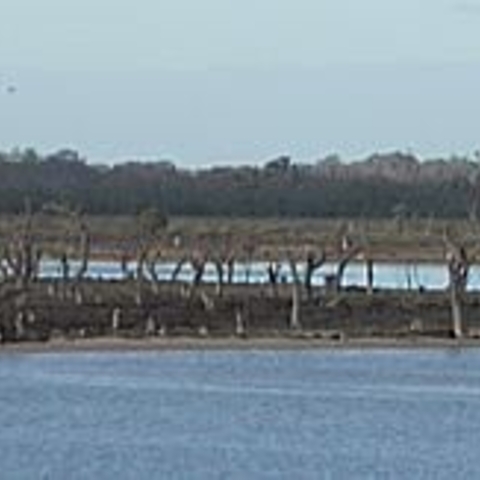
<point>376,414</point>
<point>392,275</point>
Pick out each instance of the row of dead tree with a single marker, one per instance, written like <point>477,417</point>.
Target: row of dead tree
<point>21,257</point>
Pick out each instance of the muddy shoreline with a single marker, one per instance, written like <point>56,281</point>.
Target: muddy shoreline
<point>111,344</point>
<point>111,315</point>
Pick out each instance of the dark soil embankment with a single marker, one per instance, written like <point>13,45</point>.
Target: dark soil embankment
<point>96,309</point>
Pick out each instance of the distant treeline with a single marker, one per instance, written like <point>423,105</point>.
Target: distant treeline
<point>381,186</point>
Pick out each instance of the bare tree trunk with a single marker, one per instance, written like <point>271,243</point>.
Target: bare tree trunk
<point>458,269</point>
<point>199,269</point>
<point>140,275</point>
<point>456,312</point>
<point>124,266</point>
<point>26,247</point>
<point>240,328</point>
<point>222,256</point>
<point>312,265</point>
<point>248,251</point>
<point>37,264</point>
<point>149,225</point>
<point>342,265</point>
<point>295,312</point>
<point>198,265</point>
<point>273,271</point>
<point>248,271</point>
<point>76,237</point>
<point>178,269</point>
<point>219,268</point>
<point>230,270</point>
<point>20,255</point>
<point>84,260</point>
<point>369,265</point>
<point>65,266</point>
<point>151,264</point>
<point>84,252</point>
<point>141,260</point>
<point>116,317</point>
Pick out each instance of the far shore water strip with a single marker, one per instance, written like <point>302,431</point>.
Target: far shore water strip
<point>113,344</point>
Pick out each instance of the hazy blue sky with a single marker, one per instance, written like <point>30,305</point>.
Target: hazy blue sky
<point>239,80</point>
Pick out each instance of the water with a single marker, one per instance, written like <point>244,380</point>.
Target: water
<point>240,415</point>
<point>386,275</point>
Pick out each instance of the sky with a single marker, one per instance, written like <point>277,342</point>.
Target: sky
<point>229,81</point>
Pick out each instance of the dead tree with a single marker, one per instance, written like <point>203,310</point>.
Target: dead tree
<point>84,249</point>
<point>230,262</point>
<point>198,261</point>
<point>22,254</point>
<point>248,255</point>
<point>313,263</point>
<point>218,262</point>
<point>155,255</point>
<point>124,259</point>
<point>150,225</point>
<point>72,242</point>
<point>178,268</point>
<point>349,251</point>
<point>19,264</point>
<point>458,269</point>
<point>296,294</point>
<point>83,233</point>
<point>27,254</point>
<point>370,275</point>
<point>152,261</point>
<point>224,261</point>
<point>273,272</point>
<point>198,265</point>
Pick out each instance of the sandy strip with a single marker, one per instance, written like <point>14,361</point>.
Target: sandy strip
<point>204,344</point>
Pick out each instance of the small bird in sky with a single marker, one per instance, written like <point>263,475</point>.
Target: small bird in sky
<point>7,87</point>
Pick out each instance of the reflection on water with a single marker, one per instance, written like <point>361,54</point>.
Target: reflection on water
<point>386,275</point>
<point>236,415</point>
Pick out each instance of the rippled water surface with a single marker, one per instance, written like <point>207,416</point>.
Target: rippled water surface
<point>240,415</point>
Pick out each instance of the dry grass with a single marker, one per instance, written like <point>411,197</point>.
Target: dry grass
<point>383,239</point>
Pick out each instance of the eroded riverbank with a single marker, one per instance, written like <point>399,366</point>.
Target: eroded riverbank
<point>116,314</point>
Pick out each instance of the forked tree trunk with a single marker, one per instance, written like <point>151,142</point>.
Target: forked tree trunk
<point>342,265</point>
<point>312,265</point>
<point>178,269</point>
<point>223,264</point>
<point>198,265</point>
<point>273,271</point>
